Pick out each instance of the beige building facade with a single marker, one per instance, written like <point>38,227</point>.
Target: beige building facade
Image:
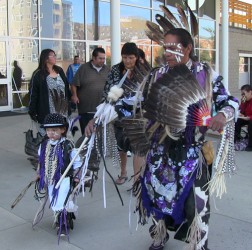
<point>76,27</point>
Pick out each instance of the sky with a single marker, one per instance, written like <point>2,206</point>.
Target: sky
<point>78,7</point>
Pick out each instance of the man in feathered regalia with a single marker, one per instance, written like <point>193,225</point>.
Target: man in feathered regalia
<point>184,99</point>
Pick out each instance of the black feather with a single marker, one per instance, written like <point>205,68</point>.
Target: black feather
<point>164,23</point>
<point>193,21</point>
<point>170,16</point>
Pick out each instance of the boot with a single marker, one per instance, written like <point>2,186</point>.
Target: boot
<point>157,244</point>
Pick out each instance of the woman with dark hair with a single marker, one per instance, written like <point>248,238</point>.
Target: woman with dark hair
<point>49,88</point>
<point>174,186</point>
<point>142,59</point>
<point>124,106</point>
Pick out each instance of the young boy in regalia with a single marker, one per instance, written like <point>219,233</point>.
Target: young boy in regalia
<point>55,154</point>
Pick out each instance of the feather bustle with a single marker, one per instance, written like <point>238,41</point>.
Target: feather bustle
<point>171,96</point>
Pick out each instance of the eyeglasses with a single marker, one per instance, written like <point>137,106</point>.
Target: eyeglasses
<point>52,56</point>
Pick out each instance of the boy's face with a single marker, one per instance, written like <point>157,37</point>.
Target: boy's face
<point>246,95</point>
<point>54,133</point>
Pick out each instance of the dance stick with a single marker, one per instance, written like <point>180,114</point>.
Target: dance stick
<point>72,161</point>
<point>86,138</point>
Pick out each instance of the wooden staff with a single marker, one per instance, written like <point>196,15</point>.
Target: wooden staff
<point>72,161</point>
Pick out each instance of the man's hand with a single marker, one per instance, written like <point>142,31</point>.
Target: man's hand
<point>90,128</point>
<point>217,122</point>
<point>75,99</point>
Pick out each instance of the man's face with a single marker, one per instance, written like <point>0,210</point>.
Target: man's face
<point>99,60</point>
<point>174,52</point>
<point>76,60</point>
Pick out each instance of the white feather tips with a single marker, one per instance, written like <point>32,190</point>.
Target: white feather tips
<point>115,93</point>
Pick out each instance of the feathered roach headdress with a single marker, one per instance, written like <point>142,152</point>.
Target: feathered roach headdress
<point>187,21</point>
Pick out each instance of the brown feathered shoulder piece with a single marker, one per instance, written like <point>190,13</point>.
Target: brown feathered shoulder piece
<point>135,130</point>
<point>170,97</point>
<point>186,19</point>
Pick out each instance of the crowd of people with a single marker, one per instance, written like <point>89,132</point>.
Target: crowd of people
<point>172,178</point>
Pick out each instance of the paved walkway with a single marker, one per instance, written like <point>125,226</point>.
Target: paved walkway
<point>106,228</point>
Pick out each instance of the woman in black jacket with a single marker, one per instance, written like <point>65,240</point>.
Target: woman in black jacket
<point>49,88</point>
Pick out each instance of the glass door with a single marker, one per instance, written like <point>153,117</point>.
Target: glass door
<point>90,46</point>
<point>5,79</point>
<point>245,69</point>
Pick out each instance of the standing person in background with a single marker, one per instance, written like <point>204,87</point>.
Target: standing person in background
<point>245,117</point>
<point>142,59</point>
<point>49,89</point>
<point>16,77</point>
<point>71,70</point>
<point>88,84</point>
<point>124,106</point>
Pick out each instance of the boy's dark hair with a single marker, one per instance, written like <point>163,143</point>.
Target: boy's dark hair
<point>98,50</point>
<point>76,56</point>
<point>246,87</point>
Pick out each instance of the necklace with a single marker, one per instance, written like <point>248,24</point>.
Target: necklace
<point>51,162</point>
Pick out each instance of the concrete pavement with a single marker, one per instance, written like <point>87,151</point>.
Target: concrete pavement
<point>107,228</point>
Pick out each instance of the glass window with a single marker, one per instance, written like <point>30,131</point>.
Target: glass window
<point>3,17</point>
<point>157,56</point>
<point>65,51</point>
<point>207,33</point>
<point>23,18</point>
<point>25,52</point>
<point>133,24</point>
<point>3,95</point>
<point>156,3</point>
<point>208,56</point>
<point>78,33</point>
<point>142,3</point>
<point>243,64</point>
<point>59,19</point>
<point>147,51</point>
<point>79,48</point>
<point>98,24</point>
<point>108,55</point>
<point>20,99</point>
<point>69,50</point>
<point>3,64</point>
<point>245,71</point>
